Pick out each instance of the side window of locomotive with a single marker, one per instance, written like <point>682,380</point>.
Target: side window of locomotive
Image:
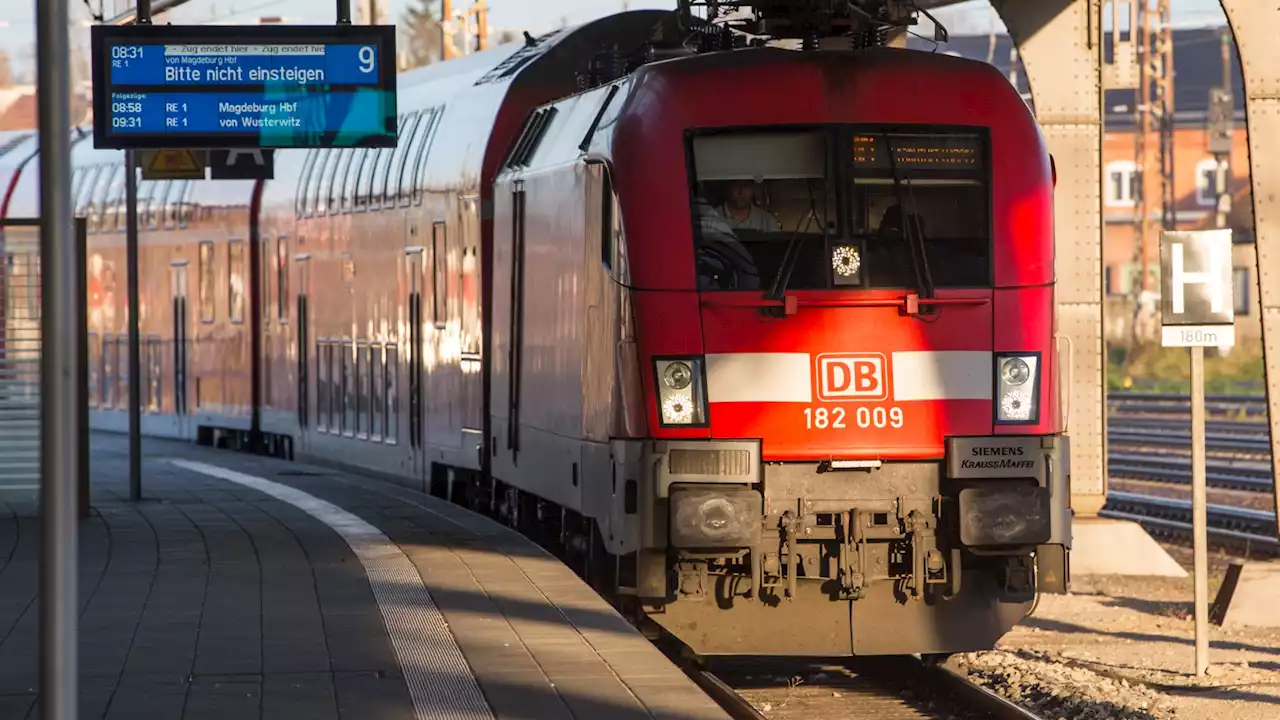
<point>935,187</point>
<point>753,195</point>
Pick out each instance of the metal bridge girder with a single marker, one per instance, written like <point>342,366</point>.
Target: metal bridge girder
<point>1253,23</point>
<point>1059,42</point>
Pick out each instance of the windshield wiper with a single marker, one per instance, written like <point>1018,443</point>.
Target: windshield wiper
<point>911,231</point>
<point>792,255</point>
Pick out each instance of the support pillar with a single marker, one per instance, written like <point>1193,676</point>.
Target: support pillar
<point>1059,42</point>
<point>1253,23</point>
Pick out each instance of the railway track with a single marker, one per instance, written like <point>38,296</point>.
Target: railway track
<point>884,689</point>
<point>1253,531</point>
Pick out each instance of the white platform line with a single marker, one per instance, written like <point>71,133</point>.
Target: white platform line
<point>440,680</point>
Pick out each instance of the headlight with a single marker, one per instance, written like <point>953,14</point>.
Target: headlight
<point>1015,371</point>
<point>846,265</point>
<point>681,396</point>
<point>1017,389</point>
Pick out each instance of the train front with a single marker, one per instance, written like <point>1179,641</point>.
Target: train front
<point>847,337</point>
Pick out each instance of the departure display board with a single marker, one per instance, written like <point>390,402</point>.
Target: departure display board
<point>244,87</point>
<point>918,152</point>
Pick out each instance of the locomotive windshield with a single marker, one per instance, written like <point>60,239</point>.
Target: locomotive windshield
<point>823,208</point>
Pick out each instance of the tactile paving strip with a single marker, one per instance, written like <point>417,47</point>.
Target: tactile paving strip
<point>441,682</point>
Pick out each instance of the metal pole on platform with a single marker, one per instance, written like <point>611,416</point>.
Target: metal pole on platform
<point>1198,519</point>
<point>60,456</point>
<point>344,12</point>
<point>135,340</point>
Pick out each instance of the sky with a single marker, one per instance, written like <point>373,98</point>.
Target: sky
<point>17,23</point>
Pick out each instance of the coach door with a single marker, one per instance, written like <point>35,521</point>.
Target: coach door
<point>178,276</point>
<point>413,284</point>
<point>303,352</point>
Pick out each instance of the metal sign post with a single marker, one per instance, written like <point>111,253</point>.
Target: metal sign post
<point>60,401</point>
<point>1197,309</point>
<point>135,333</point>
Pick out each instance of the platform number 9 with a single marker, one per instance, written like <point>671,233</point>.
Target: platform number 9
<point>366,57</point>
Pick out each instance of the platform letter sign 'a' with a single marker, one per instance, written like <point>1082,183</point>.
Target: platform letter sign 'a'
<point>1197,304</point>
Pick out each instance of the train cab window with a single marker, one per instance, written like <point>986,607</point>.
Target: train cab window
<point>391,359</point>
<point>754,195</point>
<point>932,186</point>
<point>208,278</point>
<point>834,208</point>
<point>236,278</point>
<point>395,178</point>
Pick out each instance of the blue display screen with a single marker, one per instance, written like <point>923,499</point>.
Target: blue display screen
<point>244,87</point>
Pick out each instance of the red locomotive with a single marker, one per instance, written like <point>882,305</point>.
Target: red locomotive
<point>763,338</point>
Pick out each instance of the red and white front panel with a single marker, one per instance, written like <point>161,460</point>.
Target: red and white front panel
<point>896,404</point>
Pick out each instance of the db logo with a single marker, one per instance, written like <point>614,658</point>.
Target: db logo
<point>852,376</point>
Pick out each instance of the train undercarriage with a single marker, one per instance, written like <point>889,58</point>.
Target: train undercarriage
<point>814,559</point>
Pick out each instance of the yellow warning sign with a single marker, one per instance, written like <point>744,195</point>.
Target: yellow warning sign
<point>172,164</point>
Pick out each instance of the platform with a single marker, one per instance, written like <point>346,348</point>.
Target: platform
<point>248,587</point>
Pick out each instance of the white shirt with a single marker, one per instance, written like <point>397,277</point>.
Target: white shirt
<point>758,219</point>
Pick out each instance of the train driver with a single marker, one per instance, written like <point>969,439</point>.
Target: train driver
<point>741,211</point>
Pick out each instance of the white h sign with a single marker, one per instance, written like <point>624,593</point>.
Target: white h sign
<point>1197,303</point>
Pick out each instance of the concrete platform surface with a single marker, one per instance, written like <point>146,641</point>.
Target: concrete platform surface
<point>247,587</point>
<point>1105,546</point>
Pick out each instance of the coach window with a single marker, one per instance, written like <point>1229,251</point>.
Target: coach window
<point>358,156</point>
<point>236,276</point>
<point>422,151</point>
<point>185,202</point>
<point>111,219</point>
<point>264,275</point>
<point>378,178</point>
<point>348,388</point>
<point>440,270</point>
<point>335,178</point>
<point>101,193</point>
<point>378,387</point>
<point>317,195</point>
<point>384,190</point>
<point>364,179</point>
<point>362,390</point>
<point>208,277</point>
<point>304,178</point>
<point>171,199</point>
<point>396,178</point>
<point>89,176</point>
<point>282,278</point>
<point>322,385</point>
<point>391,358</point>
